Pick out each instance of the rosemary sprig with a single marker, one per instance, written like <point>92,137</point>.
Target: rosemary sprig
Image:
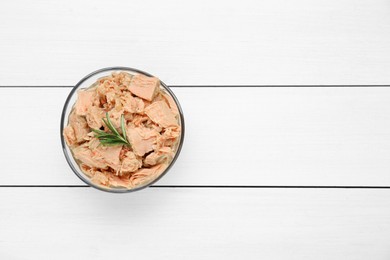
<point>113,138</point>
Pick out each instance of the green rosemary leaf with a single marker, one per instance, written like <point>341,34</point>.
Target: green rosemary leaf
<point>123,127</point>
<point>100,132</point>
<point>112,138</point>
<point>110,125</point>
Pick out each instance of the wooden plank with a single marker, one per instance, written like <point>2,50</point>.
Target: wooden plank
<point>234,136</point>
<point>195,224</point>
<point>197,42</point>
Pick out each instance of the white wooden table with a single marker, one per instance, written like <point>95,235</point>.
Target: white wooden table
<point>287,157</point>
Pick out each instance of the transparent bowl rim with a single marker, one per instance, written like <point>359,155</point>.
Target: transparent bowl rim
<point>68,156</point>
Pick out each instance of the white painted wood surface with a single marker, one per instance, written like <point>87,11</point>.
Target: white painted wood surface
<point>197,42</point>
<point>234,136</point>
<point>73,223</point>
<point>263,136</point>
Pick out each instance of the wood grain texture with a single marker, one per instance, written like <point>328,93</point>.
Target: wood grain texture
<point>197,42</point>
<point>195,224</point>
<point>234,136</point>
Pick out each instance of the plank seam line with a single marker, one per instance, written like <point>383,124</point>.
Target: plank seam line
<point>232,86</point>
<point>214,186</point>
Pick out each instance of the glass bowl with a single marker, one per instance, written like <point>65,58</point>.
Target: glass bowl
<point>86,82</point>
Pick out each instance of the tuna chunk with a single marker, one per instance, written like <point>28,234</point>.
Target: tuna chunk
<point>142,139</point>
<point>94,117</point>
<point>84,101</point>
<point>105,178</point>
<point>130,163</point>
<point>89,158</point>
<point>165,153</point>
<point>69,135</point>
<point>110,155</point>
<point>139,119</point>
<point>80,127</point>
<point>118,181</point>
<point>100,178</point>
<point>99,157</point>
<point>146,175</point>
<point>160,113</point>
<point>122,79</point>
<point>172,132</point>
<point>115,117</point>
<point>144,87</point>
<point>171,103</point>
<point>132,104</point>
